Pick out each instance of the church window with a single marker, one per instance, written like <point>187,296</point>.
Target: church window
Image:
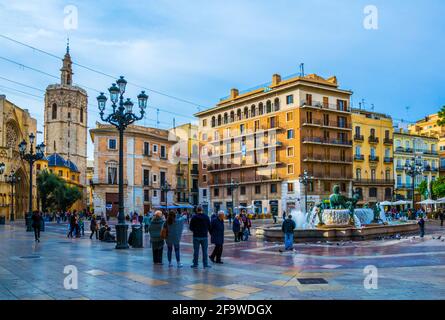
<point>54,111</point>
<point>81,115</point>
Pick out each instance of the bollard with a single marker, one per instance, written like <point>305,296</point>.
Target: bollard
<point>137,239</point>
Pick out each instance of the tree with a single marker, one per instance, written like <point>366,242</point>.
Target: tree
<point>441,114</point>
<point>55,193</point>
<point>438,187</point>
<point>46,184</point>
<point>423,189</point>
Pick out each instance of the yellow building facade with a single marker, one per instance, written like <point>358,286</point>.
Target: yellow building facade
<point>373,156</point>
<point>406,147</point>
<point>16,124</point>
<point>428,126</point>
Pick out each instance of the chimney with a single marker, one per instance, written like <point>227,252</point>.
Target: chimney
<point>276,79</point>
<point>234,93</point>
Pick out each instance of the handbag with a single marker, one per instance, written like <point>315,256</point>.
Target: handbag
<point>164,233</point>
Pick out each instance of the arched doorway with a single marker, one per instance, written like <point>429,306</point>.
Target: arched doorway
<point>21,194</point>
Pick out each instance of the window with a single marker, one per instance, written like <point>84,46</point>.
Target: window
<point>358,150</point>
<point>81,115</point>
<point>357,131</point>
<point>155,148</point>
<point>204,193</point>
<point>289,116</point>
<point>146,148</point>
<point>290,99</point>
<point>290,188</point>
<point>146,196</point>
<point>268,106</point>
<point>372,192</point>
<point>60,173</point>
<point>112,144</point>
<point>155,193</point>
<point>213,122</point>
<point>216,192</point>
<point>146,175</point>
<point>242,190</point>
<point>388,174</point>
<point>257,189</point>
<point>204,178</point>
<point>229,191</point>
<point>290,169</point>
<point>112,173</point>
<point>204,136</point>
<point>372,132</point>
<point>242,128</point>
<point>54,111</point>
<point>290,151</point>
<point>204,122</point>
<point>373,175</point>
<point>273,188</point>
<point>358,173</point>
<point>276,104</point>
<point>155,178</point>
<point>163,152</point>
<point>69,115</point>
<point>290,134</point>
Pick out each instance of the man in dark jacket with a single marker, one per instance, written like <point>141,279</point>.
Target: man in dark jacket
<point>217,237</point>
<point>421,224</point>
<point>200,226</point>
<point>288,228</point>
<point>36,223</point>
<point>441,217</point>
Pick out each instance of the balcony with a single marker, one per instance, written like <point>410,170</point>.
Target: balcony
<point>404,150</point>
<point>373,139</point>
<point>359,157</point>
<point>330,176</point>
<point>336,142</point>
<point>181,185</point>
<point>388,160</point>
<point>427,168</point>
<point>323,158</point>
<point>311,122</point>
<point>179,172</point>
<point>232,166</point>
<point>430,153</point>
<point>374,182</point>
<point>194,171</point>
<point>359,138</point>
<point>338,125</point>
<point>400,168</point>
<point>254,180</point>
<point>404,186</point>
<point>388,141</point>
<point>373,158</point>
<point>324,106</point>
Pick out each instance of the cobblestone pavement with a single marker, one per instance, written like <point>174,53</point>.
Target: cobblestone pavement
<point>409,268</point>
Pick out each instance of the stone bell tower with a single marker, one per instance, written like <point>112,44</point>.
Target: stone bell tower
<point>66,110</point>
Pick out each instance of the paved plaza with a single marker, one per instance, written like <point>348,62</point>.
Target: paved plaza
<point>409,268</point>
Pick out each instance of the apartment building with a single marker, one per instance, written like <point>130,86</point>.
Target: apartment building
<point>373,156</point>
<point>187,154</point>
<point>255,144</point>
<point>406,147</point>
<point>149,168</point>
<point>428,126</point>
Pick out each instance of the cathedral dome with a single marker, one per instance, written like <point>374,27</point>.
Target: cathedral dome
<point>72,166</point>
<point>56,160</point>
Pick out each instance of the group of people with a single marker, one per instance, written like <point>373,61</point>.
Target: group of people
<point>241,226</point>
<point>168,230</point>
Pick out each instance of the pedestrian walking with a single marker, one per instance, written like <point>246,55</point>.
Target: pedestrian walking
<point>175,226</point>
<point>94,227</point>
<point>421,224</point>
<point>146,222</point>
<point>200,226</point>
<point>72,226</point>
<point>36,224</point>
<point>217,237</point>
<point>441,217</point>
<point>236,228</point>
<point>157,242</point>
<point>288,228</point>
<point>284,215</point>
<point>229,217</point>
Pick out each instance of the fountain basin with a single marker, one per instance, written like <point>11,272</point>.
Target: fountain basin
<point>336,217</point>
<point>338,233</point>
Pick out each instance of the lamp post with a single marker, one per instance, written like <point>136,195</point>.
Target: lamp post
<point>12,179</point>
<point>233,185</point>
<point>166,187</point>
<point>121,117</point>
<point>304,180</point>
<point>31,157</point>
<point>413,169</point>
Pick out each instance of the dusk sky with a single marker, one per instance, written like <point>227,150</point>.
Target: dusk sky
<point>198,50</point>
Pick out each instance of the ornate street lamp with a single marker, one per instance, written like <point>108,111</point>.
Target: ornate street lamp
<point>304,180</point>
<point>121,117</point>
<point>233,185</point>
<point>31,157</point>
<point>413,169</point>
<point>12,179</point>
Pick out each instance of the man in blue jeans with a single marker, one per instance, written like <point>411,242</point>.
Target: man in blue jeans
<point>200,226</point>
<point>288,228</point>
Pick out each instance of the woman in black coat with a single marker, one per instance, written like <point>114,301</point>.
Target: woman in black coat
<point>217,237</point>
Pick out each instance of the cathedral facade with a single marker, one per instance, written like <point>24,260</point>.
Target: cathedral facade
<point>66,118</point>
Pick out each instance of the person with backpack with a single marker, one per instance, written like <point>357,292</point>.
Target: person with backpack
<point>156,238</point>
<point>175,225</point>
<point>288,228</point>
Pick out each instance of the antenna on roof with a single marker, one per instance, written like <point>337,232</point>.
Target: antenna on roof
<point>360,105</point>
<point>363,104</point>
<point>157,118</point>
<point>301,69</point>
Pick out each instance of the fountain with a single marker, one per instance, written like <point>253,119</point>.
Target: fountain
<point>340,220</point>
